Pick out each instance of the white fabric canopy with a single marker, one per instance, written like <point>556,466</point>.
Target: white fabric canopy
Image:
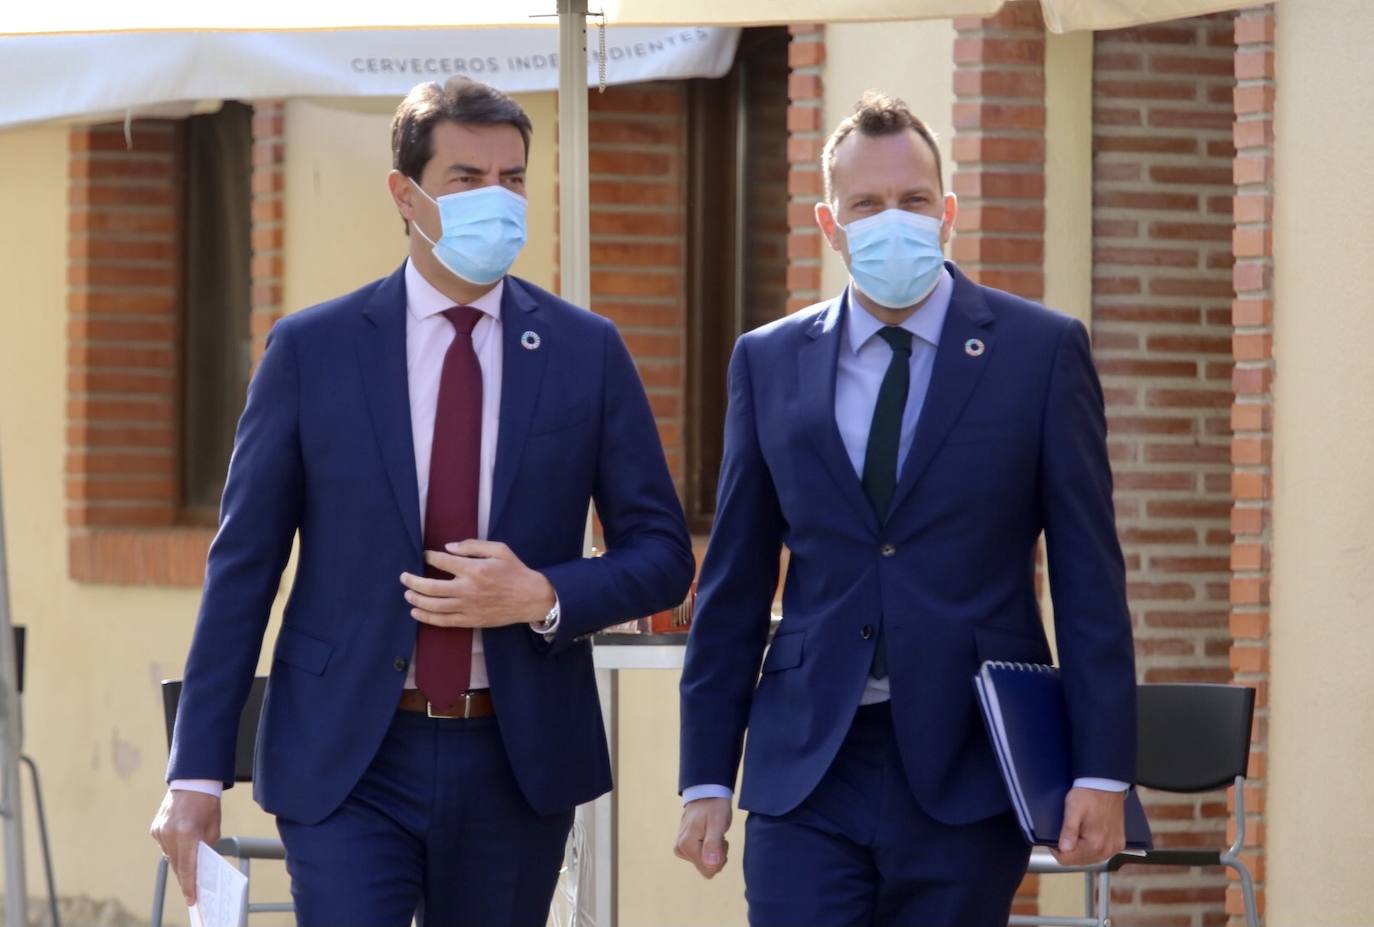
<point>20,17</point>
<point>98,77</point>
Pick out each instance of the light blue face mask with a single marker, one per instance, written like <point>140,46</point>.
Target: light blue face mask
<point>483,231</point>
<point>895,256</point>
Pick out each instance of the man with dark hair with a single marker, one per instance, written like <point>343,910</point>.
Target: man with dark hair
<point>434,439</point>
<point>908,441</point>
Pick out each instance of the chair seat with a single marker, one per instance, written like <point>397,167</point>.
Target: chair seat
<point>1167,858</point>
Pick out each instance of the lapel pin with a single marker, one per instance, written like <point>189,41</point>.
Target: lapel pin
<point>974,348</point>
<point>530,341</point>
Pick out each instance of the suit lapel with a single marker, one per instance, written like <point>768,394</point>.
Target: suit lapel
<point>382,358</point>
<point>952,380</point>
<point>817,367</point>
<point>522,372</point>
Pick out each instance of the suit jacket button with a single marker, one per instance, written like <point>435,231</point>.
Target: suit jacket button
<point>400,664</point>
<point>866,632</point>
<point>887,550</point>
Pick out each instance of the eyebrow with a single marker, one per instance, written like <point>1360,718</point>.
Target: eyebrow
<point>923,190</point>
<point>473,169</point>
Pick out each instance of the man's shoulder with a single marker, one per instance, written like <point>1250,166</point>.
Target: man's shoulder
<point>330,315</point>
<point>790,327</point>
<point>556,308</point>
<point>1018,311</point>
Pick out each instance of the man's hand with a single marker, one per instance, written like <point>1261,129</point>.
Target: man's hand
<point>489,588</point>
<point>182,822</point>
<point>701,838</point>
<point>1094,827</point>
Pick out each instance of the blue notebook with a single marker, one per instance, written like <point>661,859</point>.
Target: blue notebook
<point>1028,722</point>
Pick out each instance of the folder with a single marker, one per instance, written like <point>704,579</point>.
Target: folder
<point>1028,722</point>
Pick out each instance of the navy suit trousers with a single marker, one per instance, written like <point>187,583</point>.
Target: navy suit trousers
<point>437,828</point>
<point>860,852</point>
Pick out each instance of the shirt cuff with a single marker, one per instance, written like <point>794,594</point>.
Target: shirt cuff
<point>204,786</point>
<point>694,792</point>
<point>1101,785</point>
<point>548,632</point>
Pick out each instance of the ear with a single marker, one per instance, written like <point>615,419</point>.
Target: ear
<point>402,194</point>
<point>830,226</point>
<point>951,214</point>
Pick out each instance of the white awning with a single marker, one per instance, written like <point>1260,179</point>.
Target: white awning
<point>97,77</point>
<point>67,16</point>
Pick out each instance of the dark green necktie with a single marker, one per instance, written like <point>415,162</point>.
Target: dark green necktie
<point>884,441</point>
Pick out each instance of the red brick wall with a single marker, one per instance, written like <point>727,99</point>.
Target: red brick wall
<point>124,348</point>
<point>999,148</point>
<point>638,202</point>
<point>806,137</point>
<point>1252,417</point>
<point>1162,191</point>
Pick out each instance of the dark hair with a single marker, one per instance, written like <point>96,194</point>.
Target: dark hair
<point>459,99</point>
<point>877,114</point>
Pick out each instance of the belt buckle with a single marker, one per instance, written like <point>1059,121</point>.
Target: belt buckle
<point>467,708</point>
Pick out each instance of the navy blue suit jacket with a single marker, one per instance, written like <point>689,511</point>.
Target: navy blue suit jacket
<point>324,449</point>
<point>1009,444</point>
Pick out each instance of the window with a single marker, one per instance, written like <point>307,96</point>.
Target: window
<point>737,237</point>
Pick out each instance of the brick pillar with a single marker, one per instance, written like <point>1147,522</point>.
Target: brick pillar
<point>637,157</point>
<point>806,137</point>
<point>1252,418</point>
<point>268,210</point>
<point>123,278</point>
<point>999,148</point>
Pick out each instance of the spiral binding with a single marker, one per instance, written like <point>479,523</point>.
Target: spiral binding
<point>1031,667</point>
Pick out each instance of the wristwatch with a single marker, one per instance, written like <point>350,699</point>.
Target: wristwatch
<point>550,622</point>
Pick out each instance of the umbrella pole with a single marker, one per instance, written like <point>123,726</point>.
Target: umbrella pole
<point>16,887</point>
<point>574,273</point>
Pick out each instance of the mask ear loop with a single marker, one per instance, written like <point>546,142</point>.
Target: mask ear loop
<point>414,223</point>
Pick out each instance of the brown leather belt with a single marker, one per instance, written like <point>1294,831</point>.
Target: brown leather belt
<point>474,704</point>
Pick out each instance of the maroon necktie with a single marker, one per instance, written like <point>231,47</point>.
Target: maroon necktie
<point>443,656</point>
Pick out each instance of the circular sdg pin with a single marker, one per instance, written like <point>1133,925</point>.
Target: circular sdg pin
<point>974,347</point>
<point>530,341</point>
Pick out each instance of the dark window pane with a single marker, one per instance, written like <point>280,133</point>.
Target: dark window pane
<point>216,293</point>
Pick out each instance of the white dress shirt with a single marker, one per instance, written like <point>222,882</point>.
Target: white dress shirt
<point>863,362</point>
<point>428,336</point>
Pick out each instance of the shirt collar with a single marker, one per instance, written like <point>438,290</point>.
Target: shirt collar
<point>925,323</point>
<point>424,301</point>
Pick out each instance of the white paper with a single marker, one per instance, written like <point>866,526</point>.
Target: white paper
<point>221,891</point>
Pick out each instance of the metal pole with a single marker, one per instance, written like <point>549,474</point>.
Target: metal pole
<point>16,886</point>
<point>575,285</point>
<point>574,199</point>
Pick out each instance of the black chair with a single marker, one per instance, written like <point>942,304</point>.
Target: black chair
<point>20,643</point>
<point>1191,738</point>
<point>244,849</point>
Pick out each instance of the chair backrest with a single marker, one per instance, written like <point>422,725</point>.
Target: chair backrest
<point>248,723</point>
<point>1193,737</point>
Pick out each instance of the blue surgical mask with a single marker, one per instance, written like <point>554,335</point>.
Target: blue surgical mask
<point>483,231</point>
<point>895,256</point>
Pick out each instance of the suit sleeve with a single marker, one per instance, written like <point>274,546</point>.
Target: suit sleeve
<point>1086,569</point>
<point>648,565</point>
<point>735,601</point>
<point>258,521</point>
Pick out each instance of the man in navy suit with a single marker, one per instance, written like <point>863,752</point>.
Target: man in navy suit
<point>434,439</point>
<point>908,442</point>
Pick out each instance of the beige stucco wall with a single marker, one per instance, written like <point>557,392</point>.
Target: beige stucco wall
<point>910,60</point>
<point>1321,751</point>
